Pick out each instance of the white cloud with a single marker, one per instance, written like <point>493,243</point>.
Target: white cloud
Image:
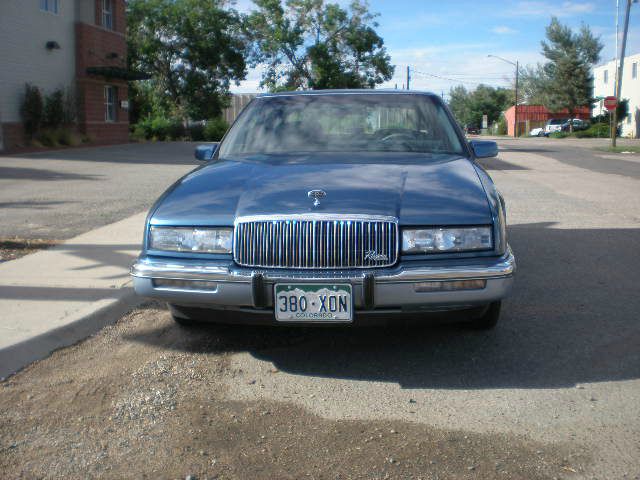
<point>503,30</point>
<point>532,8</point>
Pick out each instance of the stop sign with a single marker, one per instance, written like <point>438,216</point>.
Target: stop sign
<point>610,103</point>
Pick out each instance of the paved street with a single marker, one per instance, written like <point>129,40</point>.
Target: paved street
<point>60,194</point>
<point>553,392</point>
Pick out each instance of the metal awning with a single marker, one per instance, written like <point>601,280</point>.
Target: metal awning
<point>118,72</point>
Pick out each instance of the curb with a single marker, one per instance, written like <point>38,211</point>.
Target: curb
<point>79,325</point>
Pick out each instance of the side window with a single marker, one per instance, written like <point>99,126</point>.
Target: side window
<point>606,76</point>
<point>110,99</point>
<point>50,6</point>
<point>107,14</point>
<point>634,70</point>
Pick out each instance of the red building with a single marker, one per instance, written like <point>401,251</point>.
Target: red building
<point>532,116</point>
<point>66,44</point>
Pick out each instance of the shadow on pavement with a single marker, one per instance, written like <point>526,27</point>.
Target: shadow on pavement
<point>572,318</point>
<point>20,173</point>
<point>499,164</point>
<point>174,153</point>
<point>41,205</point>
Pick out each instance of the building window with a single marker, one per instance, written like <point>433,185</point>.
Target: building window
<point>634,70</point>
<point>606,77</point>
<point>110,99</point>
<point>49,6</point>
<point>107,14</point>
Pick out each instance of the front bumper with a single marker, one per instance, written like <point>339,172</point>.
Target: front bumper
<point>385,289</point>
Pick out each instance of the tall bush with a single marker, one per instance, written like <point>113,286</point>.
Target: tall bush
<point>70,107</point>
<point>215,129</point>
<point>502,125</point>
<point>32,110</point>
<point>54,109</point>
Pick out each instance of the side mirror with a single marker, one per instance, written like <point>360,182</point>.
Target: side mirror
<point>205,152</point>
<point>484,148</point>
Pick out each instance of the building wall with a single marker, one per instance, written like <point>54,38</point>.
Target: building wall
<point>533,116</point>
<point>630,90</point>
<point>24,32</point>
<point>84,42</point>
<point>97,46</point>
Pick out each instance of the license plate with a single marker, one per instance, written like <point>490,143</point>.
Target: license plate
<point>313,302</point>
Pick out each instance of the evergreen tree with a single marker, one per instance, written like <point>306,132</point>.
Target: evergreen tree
<point>566,78</point>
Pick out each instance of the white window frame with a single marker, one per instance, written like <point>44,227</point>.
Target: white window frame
<point>107,14</point>
<point>110,103</point>
<point>50,6</point>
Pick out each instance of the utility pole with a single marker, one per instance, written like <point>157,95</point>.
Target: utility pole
<point>408,77</point>
<point>618,87</point>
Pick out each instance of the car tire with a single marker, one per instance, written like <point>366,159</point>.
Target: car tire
<point>489,318</point>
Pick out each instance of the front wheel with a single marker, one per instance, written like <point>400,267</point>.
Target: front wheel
<point>489,319</point>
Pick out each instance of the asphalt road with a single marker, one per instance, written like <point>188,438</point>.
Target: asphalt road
<point>552,392</point>
<point>61,194</point>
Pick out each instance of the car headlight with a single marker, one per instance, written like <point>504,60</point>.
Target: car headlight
<point>181,239</point>
<point>439,240</point>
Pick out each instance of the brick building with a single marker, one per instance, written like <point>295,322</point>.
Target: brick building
<point>533,116</point>
<point>55,44</point>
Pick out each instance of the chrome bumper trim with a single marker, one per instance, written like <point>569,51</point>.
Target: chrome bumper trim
<point>505,266</point>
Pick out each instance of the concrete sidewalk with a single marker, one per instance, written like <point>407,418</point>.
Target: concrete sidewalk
<point>56,297</point>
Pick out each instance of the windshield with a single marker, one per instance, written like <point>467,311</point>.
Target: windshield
<point>342,123</point>
<point>556,121</point>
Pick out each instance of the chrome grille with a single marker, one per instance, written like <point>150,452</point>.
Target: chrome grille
<point>316,242</point>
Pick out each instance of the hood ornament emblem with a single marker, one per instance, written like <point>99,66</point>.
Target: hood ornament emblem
<point>316,195</point>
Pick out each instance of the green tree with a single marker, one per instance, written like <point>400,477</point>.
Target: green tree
<point>193,50</point>
<point>459,103</point>
<point>567,79</point>
<point>469,106</point>
<point>313,44</point>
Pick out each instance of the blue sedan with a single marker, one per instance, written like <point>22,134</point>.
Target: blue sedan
<point>332,207</point>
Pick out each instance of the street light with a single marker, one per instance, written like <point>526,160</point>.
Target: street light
<point>515,117</point>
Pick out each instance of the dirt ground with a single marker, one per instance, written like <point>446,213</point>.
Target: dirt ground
<point>119,406</point>
<point>11,249</point>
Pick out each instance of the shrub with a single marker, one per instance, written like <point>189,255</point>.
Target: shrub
<point>502,126</point>
<point>559,134</point>
<point>143,129</point>
<point>48,137</point>
<point>597,130</point>
<point>69,107</point>
<point>160,128</point>
<point>176,130</point>
<point>196,132</point>
<point>64,137</point>
<point>54,109</point>
<point>32,110</point>
<point>215,129</point>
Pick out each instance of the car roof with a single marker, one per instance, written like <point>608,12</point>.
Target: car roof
<point>367,91</point>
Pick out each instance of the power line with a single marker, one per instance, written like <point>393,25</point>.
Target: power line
<point>433,75</point>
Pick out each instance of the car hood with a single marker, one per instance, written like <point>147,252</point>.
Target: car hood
<point>417,190</point>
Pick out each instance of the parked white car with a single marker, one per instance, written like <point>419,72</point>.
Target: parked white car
<point>554,125</point>
<point>537,132</point>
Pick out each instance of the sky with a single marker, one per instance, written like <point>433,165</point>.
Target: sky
<point>446,43</point>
